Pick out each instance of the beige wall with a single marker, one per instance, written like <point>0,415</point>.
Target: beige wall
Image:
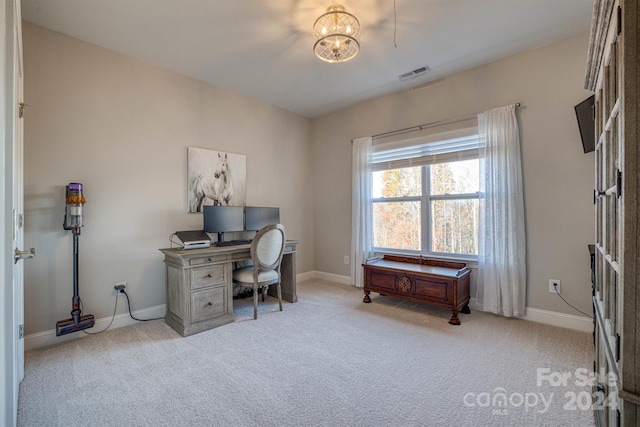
<point>558,176</point>
<point>122,127</point>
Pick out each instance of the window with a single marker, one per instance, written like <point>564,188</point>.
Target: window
<point>426,196</point>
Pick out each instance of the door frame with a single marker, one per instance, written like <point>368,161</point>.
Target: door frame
<point>18,202</point>
<point>9,10</point>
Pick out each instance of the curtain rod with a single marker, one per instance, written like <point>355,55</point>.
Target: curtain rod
<point>428,125</point>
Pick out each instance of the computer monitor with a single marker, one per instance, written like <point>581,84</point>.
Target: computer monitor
<point>222,219</point>
<point>256,217</point>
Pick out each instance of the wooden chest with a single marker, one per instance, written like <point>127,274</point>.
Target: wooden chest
<point>435,282</point>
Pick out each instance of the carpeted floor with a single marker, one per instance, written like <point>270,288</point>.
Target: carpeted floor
<point>328,360</point>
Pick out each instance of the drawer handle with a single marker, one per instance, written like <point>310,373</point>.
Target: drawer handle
<point>209,303</point>
<point>209,275</point>
<point>210,260</point>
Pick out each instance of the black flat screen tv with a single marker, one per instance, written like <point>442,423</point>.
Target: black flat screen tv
<point>586,123</point>
<point>256,217</point>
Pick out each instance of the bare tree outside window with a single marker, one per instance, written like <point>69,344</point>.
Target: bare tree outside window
<point>397,220</point>
<point>454,220</point>
<point>449,192</point>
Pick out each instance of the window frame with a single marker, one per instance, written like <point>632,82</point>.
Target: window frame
<point>425,200</point>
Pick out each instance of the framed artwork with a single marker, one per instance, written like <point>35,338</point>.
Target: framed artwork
<point>215,178</point>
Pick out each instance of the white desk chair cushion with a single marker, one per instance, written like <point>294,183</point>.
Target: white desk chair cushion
<point>267,248</point>
<point>245,274</point>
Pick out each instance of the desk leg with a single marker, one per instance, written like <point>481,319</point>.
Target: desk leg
<point>288,276</point>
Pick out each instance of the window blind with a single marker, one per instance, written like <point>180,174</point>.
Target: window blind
<point>463,144</point>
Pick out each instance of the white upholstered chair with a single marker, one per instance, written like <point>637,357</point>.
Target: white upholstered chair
<point>266,253</point>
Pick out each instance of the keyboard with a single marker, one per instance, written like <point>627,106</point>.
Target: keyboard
<point>233,243</point>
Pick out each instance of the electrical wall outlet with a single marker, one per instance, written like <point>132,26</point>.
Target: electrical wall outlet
<point>346,259</point>
<point>554,286</point>
<point>120,286</point>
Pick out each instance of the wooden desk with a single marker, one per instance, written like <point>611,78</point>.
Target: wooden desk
<point>431,281</point>
<point>199,284</point>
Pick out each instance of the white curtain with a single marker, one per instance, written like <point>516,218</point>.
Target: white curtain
<point>501,286</point>
<point>361,216</point>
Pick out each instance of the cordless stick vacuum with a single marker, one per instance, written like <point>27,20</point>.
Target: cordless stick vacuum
<point>73,222</point>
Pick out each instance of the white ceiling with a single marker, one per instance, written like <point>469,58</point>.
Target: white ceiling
<point>264,48</point>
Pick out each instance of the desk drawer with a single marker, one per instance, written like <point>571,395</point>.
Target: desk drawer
<point>207,259</point>
<point>208,275</point>
<point>209,303</point>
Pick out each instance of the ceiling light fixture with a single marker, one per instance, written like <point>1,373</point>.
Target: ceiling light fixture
<point>336,34</point>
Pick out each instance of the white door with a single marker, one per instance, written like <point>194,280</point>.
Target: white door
<point>18,210</point>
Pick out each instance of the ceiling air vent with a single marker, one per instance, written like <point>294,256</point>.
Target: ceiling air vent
<point>415,73</point>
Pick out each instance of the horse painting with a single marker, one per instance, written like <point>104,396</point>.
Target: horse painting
<point>217,188</point>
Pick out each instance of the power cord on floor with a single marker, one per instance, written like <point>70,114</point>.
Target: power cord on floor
<point>115,307</point>
<point>555,287</point>
<point>113,316</point>
<point>122,291</point>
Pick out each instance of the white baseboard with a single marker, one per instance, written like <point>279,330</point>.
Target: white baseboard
<point>553,318</point>
<point>336,278</point>
<point>305,276</point>
<point>48,338</point>
<point>569,321</point>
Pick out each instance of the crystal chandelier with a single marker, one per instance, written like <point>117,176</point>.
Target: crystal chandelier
<point>336,34</point>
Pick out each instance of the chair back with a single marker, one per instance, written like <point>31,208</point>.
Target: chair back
<point>267,248</point>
